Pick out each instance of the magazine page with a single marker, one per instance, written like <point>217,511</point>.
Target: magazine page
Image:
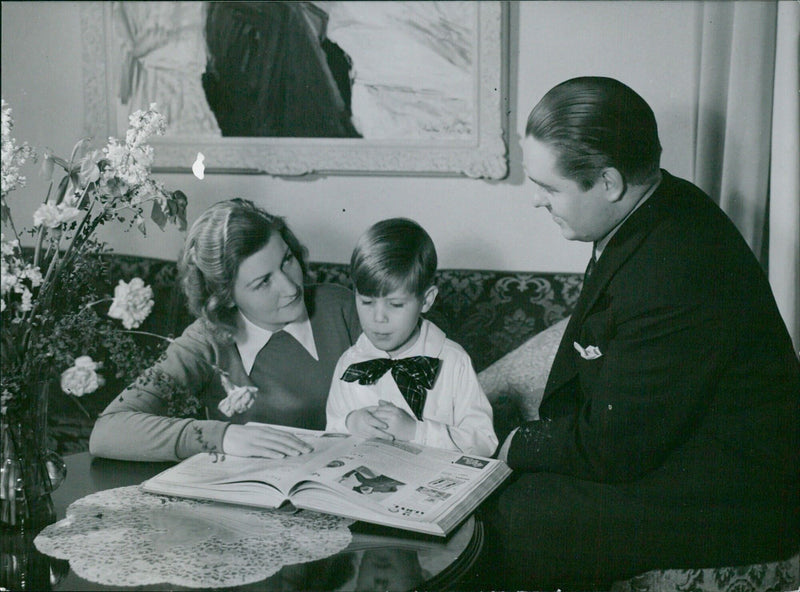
<point>224,472</point>
<point>400,479</point>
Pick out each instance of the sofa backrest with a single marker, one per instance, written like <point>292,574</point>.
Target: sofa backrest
<point>489,313</point>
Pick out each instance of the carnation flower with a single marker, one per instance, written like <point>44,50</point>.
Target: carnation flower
<point>132,303</point>
<point>239,399</point>
<point>82,378</point>
<point>54,216</point>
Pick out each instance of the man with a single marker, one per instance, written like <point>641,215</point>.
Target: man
<point>668,434</point>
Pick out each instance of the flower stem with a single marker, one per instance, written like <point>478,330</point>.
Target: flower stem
<point>81,407</point>
<point>172,341</point>
<point>168,339</point>
<point>91,304</point>
<point>40,234</point>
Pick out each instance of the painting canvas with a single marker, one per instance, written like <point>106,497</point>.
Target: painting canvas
<point>299,87</point>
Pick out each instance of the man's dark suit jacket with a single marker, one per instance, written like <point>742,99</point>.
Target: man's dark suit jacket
<point>685,432</point>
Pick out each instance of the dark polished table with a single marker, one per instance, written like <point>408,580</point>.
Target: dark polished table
<point>377,558</point>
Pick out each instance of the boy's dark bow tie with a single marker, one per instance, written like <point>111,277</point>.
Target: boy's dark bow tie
<point>413,376</point>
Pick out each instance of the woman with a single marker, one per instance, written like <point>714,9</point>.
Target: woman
<point>263,349</point>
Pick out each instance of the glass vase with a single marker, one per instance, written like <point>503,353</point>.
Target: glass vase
<point>29,471</point>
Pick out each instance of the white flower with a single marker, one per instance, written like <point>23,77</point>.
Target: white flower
<point>144,124</point>
<point>13,156</point>
<point>54,216</point>
<point>82,378</point>
<point>132,303</point>
<point>8,279</point>
<point>239,399</point>
<point>8,247</point>
<point>14,271</point>
<point>46,215</point>
<point>27,300</point>
<point>33,274</point>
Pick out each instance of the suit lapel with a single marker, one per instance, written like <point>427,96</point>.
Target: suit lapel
<point>619,249</point>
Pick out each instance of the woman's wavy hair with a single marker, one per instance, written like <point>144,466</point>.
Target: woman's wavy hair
<point>594,122</point>
<point>218,242</point>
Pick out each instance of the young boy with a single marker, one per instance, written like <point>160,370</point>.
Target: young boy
<point>403,379</point>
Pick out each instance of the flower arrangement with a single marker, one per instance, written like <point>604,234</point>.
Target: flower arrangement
<point>52,327</point>
<point>50,292</point>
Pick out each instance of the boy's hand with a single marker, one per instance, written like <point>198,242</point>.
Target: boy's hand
<point>399,423</point>
<point>363,422</point>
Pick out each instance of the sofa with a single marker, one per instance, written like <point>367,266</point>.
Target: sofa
<point>509,322</point>
<point>490,313</point>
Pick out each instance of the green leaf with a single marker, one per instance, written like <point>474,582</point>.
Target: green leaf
<point>59,161</point>
<point>158,216</point>
<point>177,209</point>
<point>62,189</point>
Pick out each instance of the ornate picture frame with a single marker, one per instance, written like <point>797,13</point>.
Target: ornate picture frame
<point>478,152</point>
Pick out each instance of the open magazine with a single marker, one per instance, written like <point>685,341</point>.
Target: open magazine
<point>396,484</point>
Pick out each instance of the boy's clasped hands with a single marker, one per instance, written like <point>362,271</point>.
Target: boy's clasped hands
<point>384,420</point>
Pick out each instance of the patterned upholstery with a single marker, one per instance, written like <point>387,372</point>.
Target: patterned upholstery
<point>489,313</point>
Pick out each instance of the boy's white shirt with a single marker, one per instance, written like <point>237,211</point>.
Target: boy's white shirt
<point>457,414</point>
<point>250,338</point>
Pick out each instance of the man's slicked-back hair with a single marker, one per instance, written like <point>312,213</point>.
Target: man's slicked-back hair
<point>593,123</point>
<point>391,255</point>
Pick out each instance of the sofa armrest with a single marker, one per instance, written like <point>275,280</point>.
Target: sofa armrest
<point>515,383</point>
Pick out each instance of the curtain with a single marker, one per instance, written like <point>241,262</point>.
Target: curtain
<point>732,148</point>
<point>743,145</point>
<point>784,204</point>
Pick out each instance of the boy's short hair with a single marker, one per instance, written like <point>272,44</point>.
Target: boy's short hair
<point>391,255</point>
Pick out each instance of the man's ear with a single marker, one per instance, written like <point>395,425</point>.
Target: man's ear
<point>613,183</point>
<point>429,297</point>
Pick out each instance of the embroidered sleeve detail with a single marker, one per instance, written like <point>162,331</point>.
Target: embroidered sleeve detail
<point>179,400</point>
<point>207,446</point>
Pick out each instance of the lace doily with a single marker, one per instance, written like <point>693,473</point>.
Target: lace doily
<point>126,537</point>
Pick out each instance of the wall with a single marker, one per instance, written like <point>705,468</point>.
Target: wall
<point>652,46</point>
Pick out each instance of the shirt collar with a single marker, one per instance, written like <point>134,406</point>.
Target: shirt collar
<point>250,338</point>
<point>600,245</point>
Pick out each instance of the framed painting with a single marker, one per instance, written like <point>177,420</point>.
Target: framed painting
<point>291,88</point>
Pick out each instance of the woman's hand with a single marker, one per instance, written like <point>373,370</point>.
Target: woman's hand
<point>260,440</point>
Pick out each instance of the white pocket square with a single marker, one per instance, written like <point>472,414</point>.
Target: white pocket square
<point>590,352</point>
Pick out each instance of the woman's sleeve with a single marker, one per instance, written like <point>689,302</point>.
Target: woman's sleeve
<point>152,419</point>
